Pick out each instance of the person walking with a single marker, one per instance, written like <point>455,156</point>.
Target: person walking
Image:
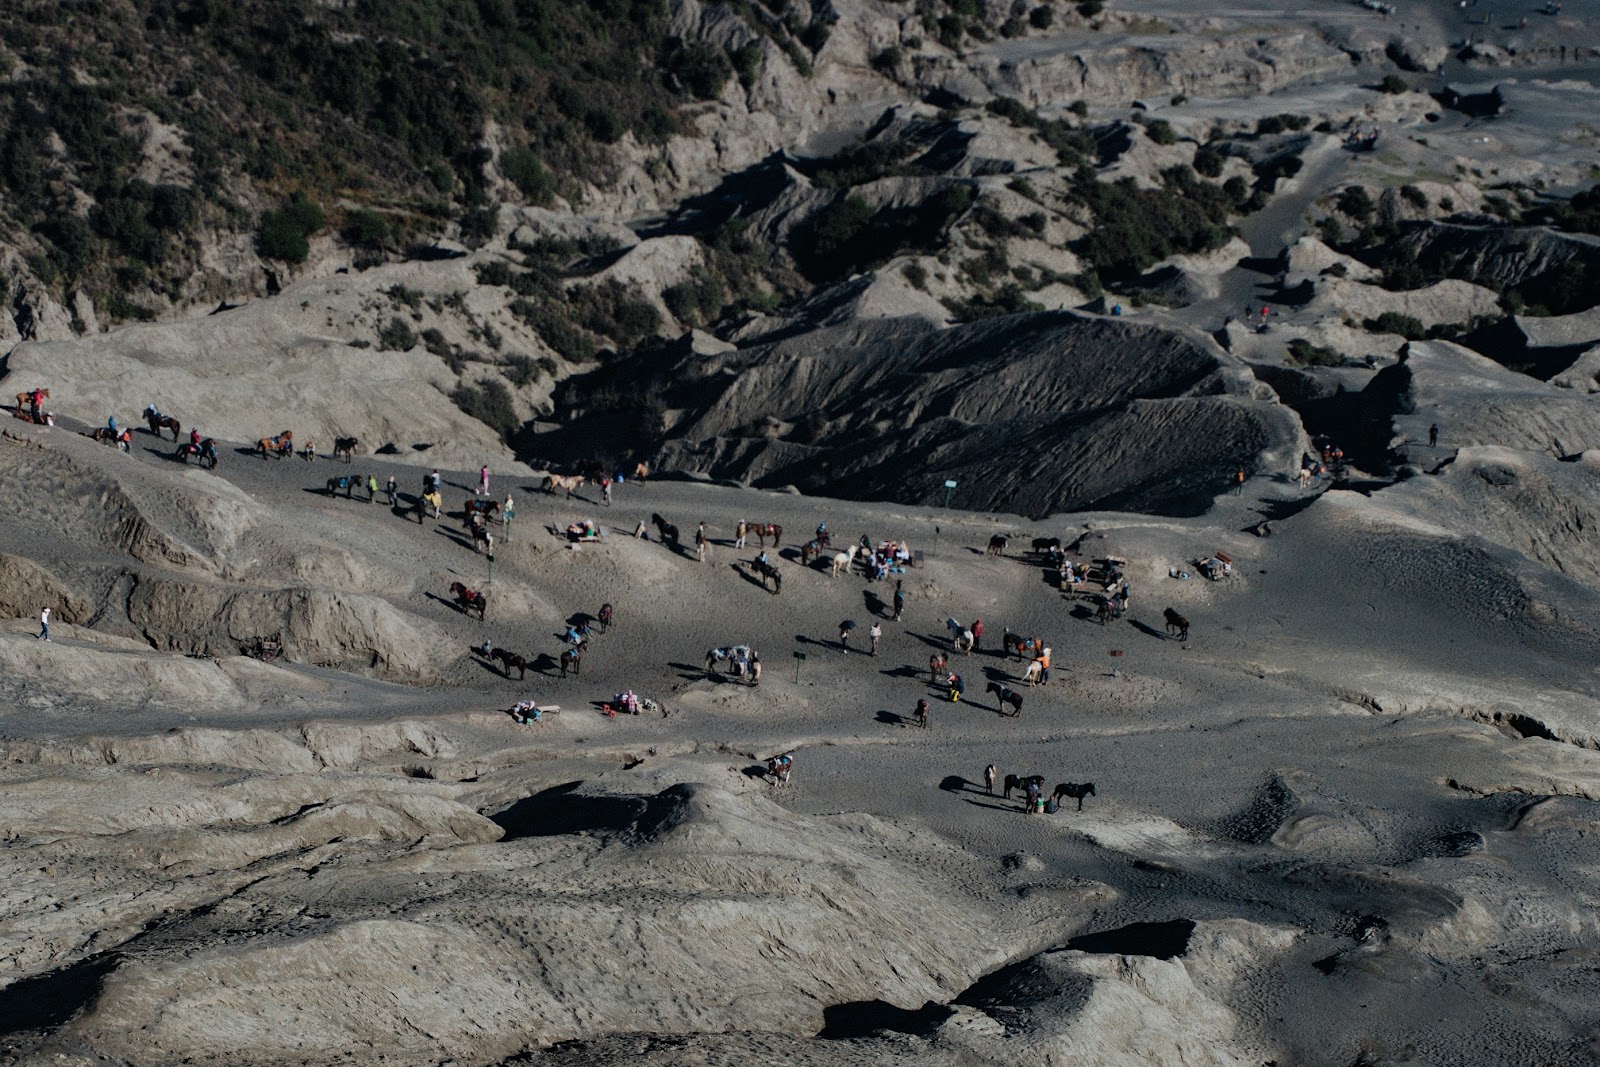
<point>392,487</point>
<point>507,513</point>
<point>899,600</point>
<point>44,624</point>
<point>740,532</point>
<point>874,635</point>
<point>1433,435</point>
<point>977,635</point>
<point>372,488</point>
<point>845,629</point>
<point>483,480</point>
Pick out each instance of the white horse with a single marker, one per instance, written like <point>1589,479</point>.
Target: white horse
<point>1031,675</point>
<point>843,561</point>
<point>1305,477</point>
<point>961,639</point>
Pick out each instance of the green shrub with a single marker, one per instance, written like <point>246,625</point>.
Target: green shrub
<point>1041,17</point>
<point>403,294</point>
<point>618,312</point>
<point>1355,202</point>
<point>1161,132</point>
<point>951,30</point>
<point>1136,228</point>
<point>1013,27</point>
<point>1091,8</point>
<point>365,228</point>
<point>1282,123</point>
<point>398,336</point>
<point>1307,354</point>
<point>551,323</point>
<point>1414,196</point>
<point>1079,108</point>
<point>283,233</point>
<point>490,403</point>
<point>916,274</point>
<point>1394,322</point>
<point>1008,300</point>
<point>434,342</point>
<point>701,68</point>
<point>747,60</point>
<point>523,169</point>
<point>1394,85</point>
<point>1208,161</point>
<point>888,61</point>
<point>697,300</point>
<point>521,370</point>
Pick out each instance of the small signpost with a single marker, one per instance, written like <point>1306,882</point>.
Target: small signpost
<point>798,657</point>
<point>949,487</point>
<point>1116,653</point>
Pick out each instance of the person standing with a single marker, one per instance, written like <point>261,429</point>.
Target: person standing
<point>956,686</point>
<point>435,483</point>
<point>1433,435</point>
<point>844,635</point>
<point>1238,481</point>
<point>874,635</point>
<point>372,488</point>
<point>393,489</point>
<point>605,491</point>
<point>702,543</point>
<point>977,635</point>
<point>740,532</point>
<point>988,779</point>
<point>44,624</point>
<point>899,600</point>
<point>507,513</point>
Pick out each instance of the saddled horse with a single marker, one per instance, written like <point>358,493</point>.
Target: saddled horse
<point>997,545</point>
<point>1076,790</point>
<point>470,599</point>
<point>1043,545</point>
<point>1176,624</point>
<point>571,660</point>
<point>665,530</point>
<point>482,540</point>
<point>1021,647</point>
<point>347,483</point>
<point>734,656</point>
<point>509,659</point>
<point>607,613</point>
<point>768,573</point>
<point>107,436</point>
<point>159,422</point>
<point>205,451</point>
<point>487,509</point>
<point>1017,781</point>
<point>1006,695</point>
<point>764,530</point>
<point>345,446</point>
<point>25,400</point>
<point>569,482</point>
<point>811,550</point>
<point>280,445</point>
<point>961,638</point>
<point>937,665</point>
<point>429,501</point>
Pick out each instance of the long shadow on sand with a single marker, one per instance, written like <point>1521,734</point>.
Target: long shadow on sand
<point>889,718</point>
<point>997,805</point>
<point>1146,628</point>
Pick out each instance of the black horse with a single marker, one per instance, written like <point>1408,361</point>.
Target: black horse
<point>1075,790</point>
<point>1017,781</point>
<point>1006,695</point>
<point>665,530</point>
<point>769,571</point>
<point>205,451</point>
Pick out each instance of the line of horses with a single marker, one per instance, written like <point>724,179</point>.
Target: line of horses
<point>1034,784</point>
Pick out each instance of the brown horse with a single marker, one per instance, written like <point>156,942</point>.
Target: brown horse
<point>160,422</point>
<point>764,530</point>
<point>1176,624</point>
<point>345,446</point>
<point>570,482</point>
<point>571,659</point>
<point>279,446</point>
<point>937,663</point>
<point>25,400</point>
<point>470,599</point>
<point>997,545</point>
<point>811,550</point>
<point>508,660</point>
<point>1022,647</point>
<point>641,473</point>
<point>1017,781</point>
<point>1076,790</point>
<point>488,509</point>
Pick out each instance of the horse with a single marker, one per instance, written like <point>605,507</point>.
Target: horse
<point>26,399</point>
<point>768,571</point>
<point>811,550</point>
<point>936,667</point>
<point>1075,790</point>
<point>1022,647</point>
<point>482,540</point>
<point>470,599</point>
<point>1043,545</point>
<point>763,530</point>
<point>509,659</point>
<point>488,509</point>
<point>571,659</point>
<point>428,500</point>
<point>843,561</point>
<point>593,469</point>
<point>1176,624</point>
<point>716,657</point>
<point>665,530</point>
<point>1034,672</point>
<point>607,613</point>
<point>570,482</point>
<point>280,446</point>
<point>205,451</point>
<point>641,473</point>
<point>345,446</point>
<point>159,422</point>
<point>997,545</point>
<point>105,435</point>
<point>1004,695</point>
<point>347,483</point>
<point>921,714</point>
<point>1017,781</point>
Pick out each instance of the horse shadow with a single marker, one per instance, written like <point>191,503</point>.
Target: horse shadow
<point>938,641</point>
<point>544,663</point>
<point>171,456</point>
<point>579,618</point>
<point>889,718</point>
<point>997,674</point>
<point>790,554</point>
<point>905,671</point>
<point>954,783</point>
<point>990,804</point>
<point>1145,628</point>
<point>693,672</point>
<point>445,531</point>
<point>448,602</point>
<point>874,604</point>
<point>1084,612</point>
<point>739,569</point>
<point>490,666</point>
<point>755,770</point>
